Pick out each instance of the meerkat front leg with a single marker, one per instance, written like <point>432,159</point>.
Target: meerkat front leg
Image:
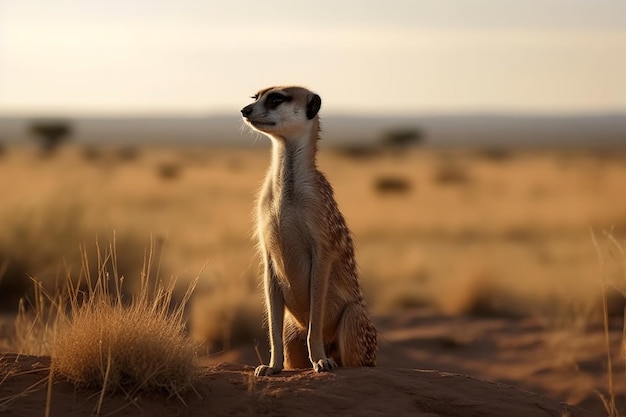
<point>320,274</point>
<point>275,305</point>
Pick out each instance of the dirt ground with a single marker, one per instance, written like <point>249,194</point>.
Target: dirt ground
<point>562,365</point>
<point>429,364</point>
<point>231,389</point>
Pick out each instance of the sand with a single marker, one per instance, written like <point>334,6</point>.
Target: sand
<point>424,363</point>
<point>231,389</point>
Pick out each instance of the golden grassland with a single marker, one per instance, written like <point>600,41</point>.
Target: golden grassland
<point>466,231</point>
<point>495,233</point>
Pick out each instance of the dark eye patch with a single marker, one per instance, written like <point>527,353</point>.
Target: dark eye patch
<point>274,100</point>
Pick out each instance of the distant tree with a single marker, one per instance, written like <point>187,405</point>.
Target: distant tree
<point>402,137</point>
<point>127,153</point>
<point>359,151</point>
<point>50,134</point>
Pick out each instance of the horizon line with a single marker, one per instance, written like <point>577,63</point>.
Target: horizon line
<point>332,114</point>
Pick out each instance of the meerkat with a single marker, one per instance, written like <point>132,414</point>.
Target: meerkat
<point>316,312</point>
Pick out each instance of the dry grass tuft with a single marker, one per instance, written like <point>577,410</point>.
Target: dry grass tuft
<point>113,344</point>
<point>139,345</point>
<point>35,326</point>
<point>615,277</point>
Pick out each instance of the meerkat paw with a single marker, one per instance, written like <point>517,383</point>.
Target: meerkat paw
<point>265,370</point>
<point>324,365</point>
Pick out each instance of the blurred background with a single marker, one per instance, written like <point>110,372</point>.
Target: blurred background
<point>502,70</point>
<point>474,147</point>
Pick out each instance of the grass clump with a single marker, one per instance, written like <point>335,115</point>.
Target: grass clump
<point>34,325</point>
<point>110,343</point>
<point>612,278</point>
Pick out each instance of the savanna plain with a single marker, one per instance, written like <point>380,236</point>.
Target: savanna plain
<point>505,265</point>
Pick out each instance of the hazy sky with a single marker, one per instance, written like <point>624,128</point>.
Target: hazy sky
<point>203,56</point>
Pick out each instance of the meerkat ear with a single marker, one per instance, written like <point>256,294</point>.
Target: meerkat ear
<point>313,104</point>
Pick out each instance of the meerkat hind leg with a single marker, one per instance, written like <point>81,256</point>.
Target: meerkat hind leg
<point>296,350</point>
<point>294,337</point>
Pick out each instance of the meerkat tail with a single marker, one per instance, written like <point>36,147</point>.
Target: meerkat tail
<point>357,337</point>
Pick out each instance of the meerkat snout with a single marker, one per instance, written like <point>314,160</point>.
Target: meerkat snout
<point>247,111</point>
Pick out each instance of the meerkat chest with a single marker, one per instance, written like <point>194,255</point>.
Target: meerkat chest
<point>288,214</point>
<point>286,236</point>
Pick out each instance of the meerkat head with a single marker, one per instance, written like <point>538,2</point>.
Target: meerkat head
<point>283,111</point>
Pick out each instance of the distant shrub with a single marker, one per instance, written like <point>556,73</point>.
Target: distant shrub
<point>127,153</point>
<point>91,153</point>
<point>520,234</point>
<point>392,185</point>
<point>495,154</point>
<point>358,151</point>
<point>451,174</point>
<point>402,137</point>
<point>50,134</point>
<point>169,170</point>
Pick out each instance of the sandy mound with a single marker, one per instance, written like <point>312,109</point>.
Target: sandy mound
<point>230,389</point>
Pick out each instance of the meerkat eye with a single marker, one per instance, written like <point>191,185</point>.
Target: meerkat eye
<point>275,99</point>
